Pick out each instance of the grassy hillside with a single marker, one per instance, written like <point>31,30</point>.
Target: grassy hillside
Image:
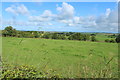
<point>103,36</point>
<point>67,58</point>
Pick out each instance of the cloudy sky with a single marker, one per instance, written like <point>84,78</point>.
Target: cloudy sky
<point>61,16</point>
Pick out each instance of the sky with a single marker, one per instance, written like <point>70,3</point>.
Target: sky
<point>61,16</point>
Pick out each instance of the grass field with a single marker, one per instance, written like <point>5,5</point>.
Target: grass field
<point>67,57</point>
<point>102,37</point>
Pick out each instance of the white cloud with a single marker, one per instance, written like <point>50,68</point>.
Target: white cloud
<point>108,18</point>
<point>108,11</point>
<point>65,15</point>
<point>76,19</point>
<point>106,21</point>
<point>66,21</point>
<point>18,9</point>
<point>46,16</point>
<point>22,23</point>
<point>66,11</point>
<point>47,13</point>
<point>38,19</point>
<point>49,24</point>
<point>113,16</point>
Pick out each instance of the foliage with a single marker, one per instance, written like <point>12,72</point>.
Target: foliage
<point>93,39</point>
<point>107,40</point>
<point>18,71</point>
<point>9,31</point>
<point>112,36</point>
<point>118,38</point>
<point>110,40</point>
<point>79,36</point>
<point>93,34</point>
<point>47,36</point>
<point>10,71</point>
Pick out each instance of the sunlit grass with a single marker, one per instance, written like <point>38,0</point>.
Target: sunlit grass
<point>67,58</point>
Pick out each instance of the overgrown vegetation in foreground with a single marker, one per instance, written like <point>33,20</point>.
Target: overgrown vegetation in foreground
<point>60,58</point>
<point>10,71</point>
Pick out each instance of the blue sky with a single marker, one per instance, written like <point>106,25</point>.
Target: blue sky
<point>61,16</point>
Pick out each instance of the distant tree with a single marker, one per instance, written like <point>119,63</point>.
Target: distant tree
<point>85,37</point>
<point>112,41</point>
<point>107,40</point>
<point>14,32</point>
<point>93,34</point>
<point>54,36</point>
<point>118,38</point>
<point>70,37</point>
<point>93,39</point>
<point>4,33</point>
<point>77,36</point>
<point>61,37</point>
<point>36,34</point>
<point>69,33</point>
<point>112,36</point>
<point>9,31</point>
<point>47,36</point>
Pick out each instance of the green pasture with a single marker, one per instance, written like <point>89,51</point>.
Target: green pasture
<point>66,57</point>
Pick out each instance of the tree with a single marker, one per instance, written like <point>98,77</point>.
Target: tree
<point>14,32</point>
<point>93,39</point>
<point>9,31</point>
<point>85,37</point>
<point>70,38</point>
<point>61,36</point>
<point>36,35</point>
<point>118,38</point>
<point>93,34</point>
<point>107,40</point>
<point>54,36</point>
<point>47,36</point>
<point>112,41</point>
<point>75,36</point>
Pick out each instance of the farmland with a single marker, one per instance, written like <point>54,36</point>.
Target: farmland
<point>69,58</point>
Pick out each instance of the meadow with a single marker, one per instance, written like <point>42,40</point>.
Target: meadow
<point>68,58</point>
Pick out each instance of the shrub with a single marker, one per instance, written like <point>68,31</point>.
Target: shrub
<point>107,40</point>
<point>110,41</point>
<point>93,39</point>
<point>118,39</point>
<point>18,71</point>
<point>9,31</point>
<point>10,71</point>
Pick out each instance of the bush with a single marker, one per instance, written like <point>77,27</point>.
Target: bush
<point>18,71</point>
<point>118,39</point>
<point>79,36</point>
<point>47,36</point>
<point>107,40</point>
<point>93,39</point>
<point>110,41</point>
<point>9,31</point>
<point>10,71</point>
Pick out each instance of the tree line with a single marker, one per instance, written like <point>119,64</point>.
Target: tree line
<point>11,32</point>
